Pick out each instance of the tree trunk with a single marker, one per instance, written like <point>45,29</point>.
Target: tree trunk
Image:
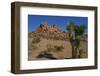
<point>74,51</point>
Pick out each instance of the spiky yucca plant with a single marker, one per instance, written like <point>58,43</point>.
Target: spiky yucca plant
<point>76,33</point>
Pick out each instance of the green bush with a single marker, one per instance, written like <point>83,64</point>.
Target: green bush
<point>56,37</point>
<point>54,47</point>
<point>36,40</point>
<point>50,47</point>
<point>58,48</point>
<point>34,46</point>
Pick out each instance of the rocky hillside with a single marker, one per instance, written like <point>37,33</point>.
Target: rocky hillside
<point>48,31</point>
<point>50,42</point>
<point>51,32</point>
<point>51,29</point>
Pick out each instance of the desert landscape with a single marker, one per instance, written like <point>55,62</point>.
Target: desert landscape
<point>50,42</point>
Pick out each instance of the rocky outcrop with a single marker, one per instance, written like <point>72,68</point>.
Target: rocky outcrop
<point>46,30</point>
<point>51,31</point>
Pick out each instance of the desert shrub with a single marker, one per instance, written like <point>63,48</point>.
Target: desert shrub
<point>80,52</point>
<point>54,47</point>
<point>36,40</point>
<point>49,37</point>
<point>59,37</point>
<point>34,46</point>
<point>56,37</point>
<point>50,47</point>
<point>58,48</point>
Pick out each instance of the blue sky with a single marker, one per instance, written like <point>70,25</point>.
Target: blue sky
<point>61,21</point>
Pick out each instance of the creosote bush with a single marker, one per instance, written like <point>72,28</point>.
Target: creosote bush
<point>54,47</point>
<point>59,48</point>
<point>34,46</point>
<point>50,47</point>
<point>36,40</point>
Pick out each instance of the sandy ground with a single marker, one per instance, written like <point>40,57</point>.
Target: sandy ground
<point>65,53</point>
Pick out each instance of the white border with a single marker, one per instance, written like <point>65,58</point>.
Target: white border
<point>25,64</point>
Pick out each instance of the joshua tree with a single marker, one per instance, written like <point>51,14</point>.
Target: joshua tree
<point>75,36</point>
<point>79,32</point>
